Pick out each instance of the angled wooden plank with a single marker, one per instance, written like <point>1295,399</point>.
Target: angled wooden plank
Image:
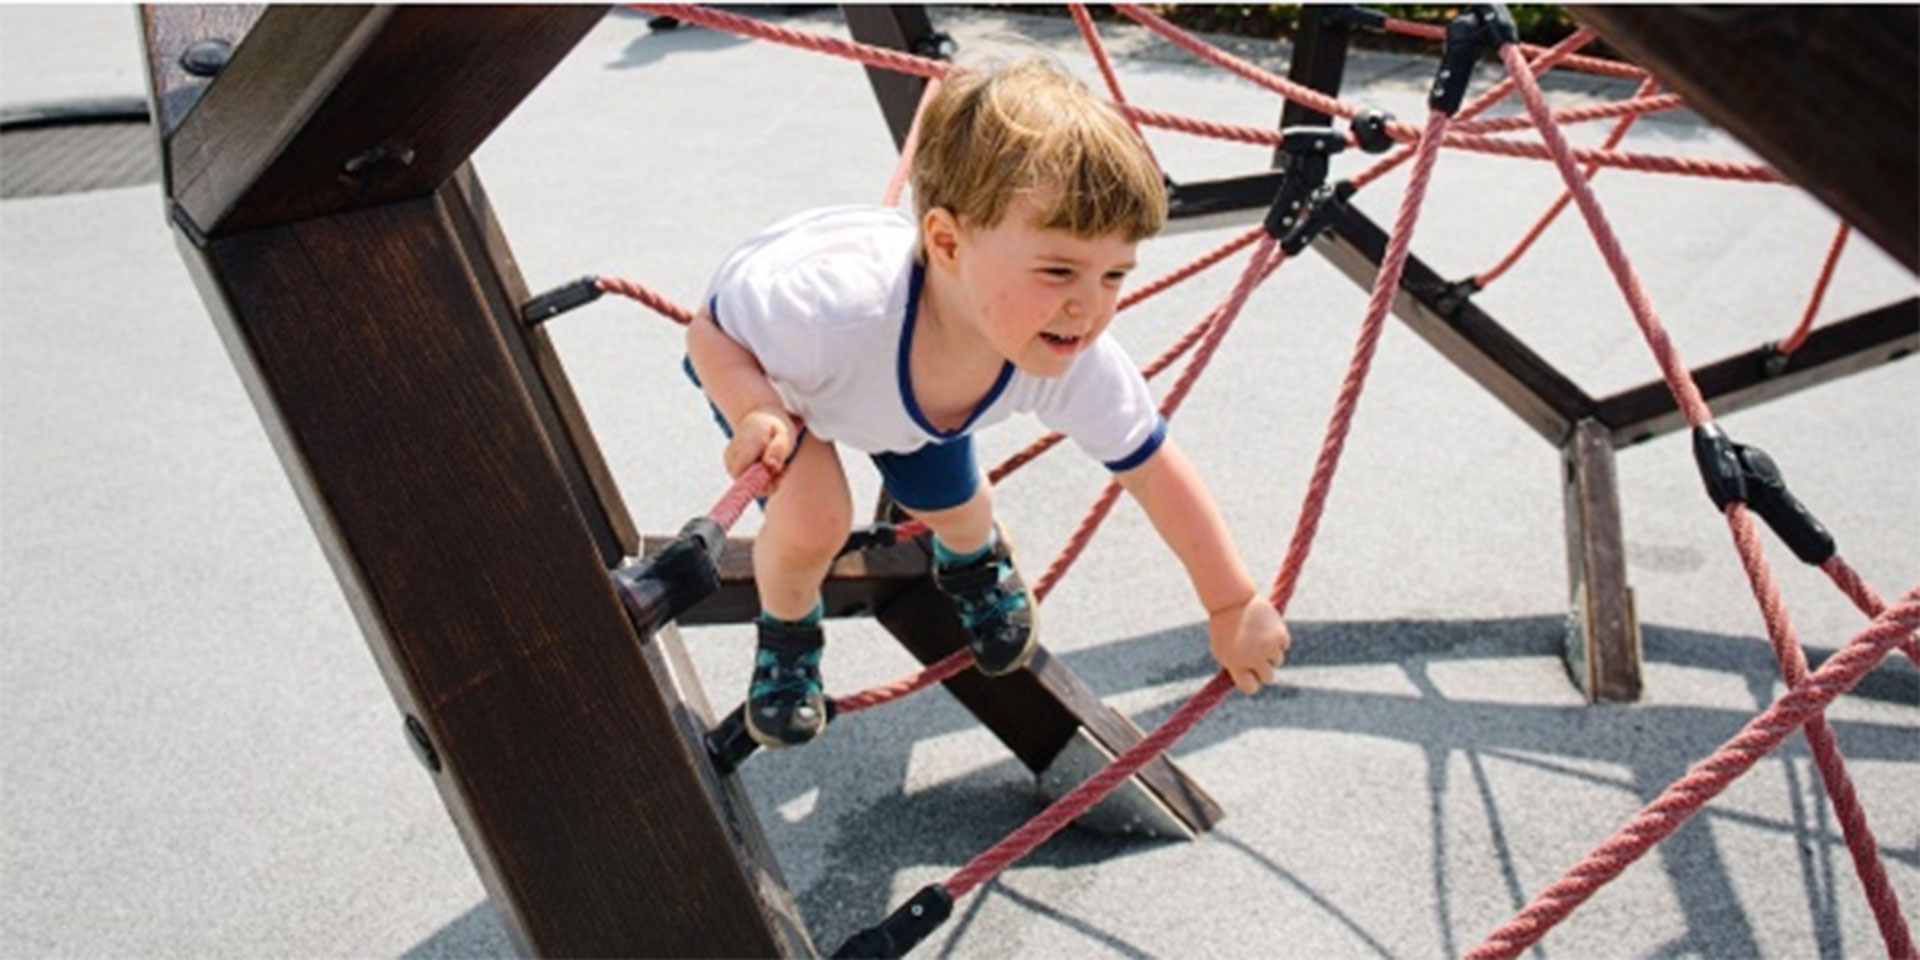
<point>1525,382</point>
<point>561,416</point>
<point>896,26</point>
<point>1825,93</point>
<point>857,584</point>
<point>1832,351</point>
<point>328,108</point>
<point>367,345</point>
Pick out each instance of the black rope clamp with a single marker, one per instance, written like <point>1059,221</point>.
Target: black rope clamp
<point>1326,205</point>
<point>870,537</point>
<point>1480,28</point>
<point>560,299</point>
<point>1737,473</point>
<point>663,586</point>
<point>1369,128</point>
<point>1306,150</point>
<point>904,928</point>
<point>936,46</point>
<point>729,744</point>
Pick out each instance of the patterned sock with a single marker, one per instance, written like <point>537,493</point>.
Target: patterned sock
<point>812,619</point>
<point>949,559</point>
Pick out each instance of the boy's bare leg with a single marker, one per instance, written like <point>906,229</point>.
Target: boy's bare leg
<point>807,520</point>
<point>961,529</point>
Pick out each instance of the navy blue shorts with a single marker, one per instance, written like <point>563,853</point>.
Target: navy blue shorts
<point>937,476</point>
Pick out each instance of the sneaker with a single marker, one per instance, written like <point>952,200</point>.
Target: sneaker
<point>785,705</point>
<point>995,606</point>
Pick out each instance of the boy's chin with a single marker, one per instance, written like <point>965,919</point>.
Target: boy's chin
<point>1045,366</point>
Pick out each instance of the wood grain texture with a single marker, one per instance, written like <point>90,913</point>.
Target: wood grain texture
<point>1829,94</point>
<point>366,342</point>
<point>327,108</point>
<point>1603,639</point>
<point>169,30</point>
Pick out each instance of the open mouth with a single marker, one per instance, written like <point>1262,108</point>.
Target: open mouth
<point>1060,340</point>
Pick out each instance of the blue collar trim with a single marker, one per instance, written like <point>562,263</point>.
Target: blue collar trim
<point>904,369</point>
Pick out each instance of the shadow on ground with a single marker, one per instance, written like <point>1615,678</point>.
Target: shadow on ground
<point>1656,743</point>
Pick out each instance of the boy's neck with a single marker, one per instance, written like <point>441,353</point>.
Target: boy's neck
<point>951,362</point>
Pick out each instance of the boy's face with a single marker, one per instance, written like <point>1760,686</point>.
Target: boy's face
<point>1041,296</point>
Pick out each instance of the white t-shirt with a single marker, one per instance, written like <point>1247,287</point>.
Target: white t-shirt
<point>825,301</point>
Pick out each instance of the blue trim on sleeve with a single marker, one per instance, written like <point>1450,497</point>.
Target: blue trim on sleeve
<point>1145,450</point>
<point>713,310</point>
<point>903,370</point>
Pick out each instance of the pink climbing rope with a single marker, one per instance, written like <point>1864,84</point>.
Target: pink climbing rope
<point>1865,598</point>
<point>751,483</point>
<point>1594,65</point>
<point>647,297</point>
<point>1799,335</point>
<point>1687,396</point>
<point>1091,34</point>
<point>904,167</point>
<point>1063,811</point>
<point>1639,105</point>
<point>1619,132</point>
<point>1659,819</point>
<point>865,53</point>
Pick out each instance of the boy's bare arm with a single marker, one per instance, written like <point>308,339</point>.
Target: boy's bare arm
<point>1247,636</point>
<point>737,384</point>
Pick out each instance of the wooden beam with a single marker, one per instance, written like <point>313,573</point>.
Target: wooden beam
<point>173,29</point>
<point>1825,93</point>
<point>325,108</point>
<point>1603,635</point>
<point>561,417</point>
<point>1748,379</point>
<point>374,362</point>
<point>858,583</point>
<point>428,478</point>
<point>1035,712</point>
<point>896,26</point>
<point>1543,397</point>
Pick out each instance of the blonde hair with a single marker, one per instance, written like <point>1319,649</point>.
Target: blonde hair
<point>989,134</point>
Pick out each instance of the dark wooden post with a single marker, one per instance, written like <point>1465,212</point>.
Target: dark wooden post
<point>323,204</point>
<point>902,26</point>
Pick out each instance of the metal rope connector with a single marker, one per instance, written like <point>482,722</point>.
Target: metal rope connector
<point>1737,473</point>
<point>1478,30</point>
<point>667,584</point>
<point>1326,205</point>
<point>560,299</point>
<point>1306,150</point>
<point>902,930</point>
<point>1369,128</point>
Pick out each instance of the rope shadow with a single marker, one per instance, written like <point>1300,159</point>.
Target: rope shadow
<point>872,839</point>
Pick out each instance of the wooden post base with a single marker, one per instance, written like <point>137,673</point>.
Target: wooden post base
<point>1603,634</point>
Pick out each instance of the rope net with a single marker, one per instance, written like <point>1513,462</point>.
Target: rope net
<point>1808,692</point>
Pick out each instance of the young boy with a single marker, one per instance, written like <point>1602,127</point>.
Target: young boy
<point>858,326</point>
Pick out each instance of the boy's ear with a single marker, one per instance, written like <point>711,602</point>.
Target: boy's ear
<point>942,234</point>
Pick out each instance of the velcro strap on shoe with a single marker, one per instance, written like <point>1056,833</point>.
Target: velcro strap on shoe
<point>972,579</point>
<point>790,640</point>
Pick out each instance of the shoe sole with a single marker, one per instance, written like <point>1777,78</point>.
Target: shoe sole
<point>772,742</point>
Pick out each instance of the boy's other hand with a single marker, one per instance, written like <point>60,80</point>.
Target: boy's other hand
<point>762,436</point>
<point>1249,641</point>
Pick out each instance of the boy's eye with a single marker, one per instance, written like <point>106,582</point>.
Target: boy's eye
<point>1060,273</point>
<point>1116,277</point>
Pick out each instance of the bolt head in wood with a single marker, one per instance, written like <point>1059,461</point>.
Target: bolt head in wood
<point>207,57</point>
